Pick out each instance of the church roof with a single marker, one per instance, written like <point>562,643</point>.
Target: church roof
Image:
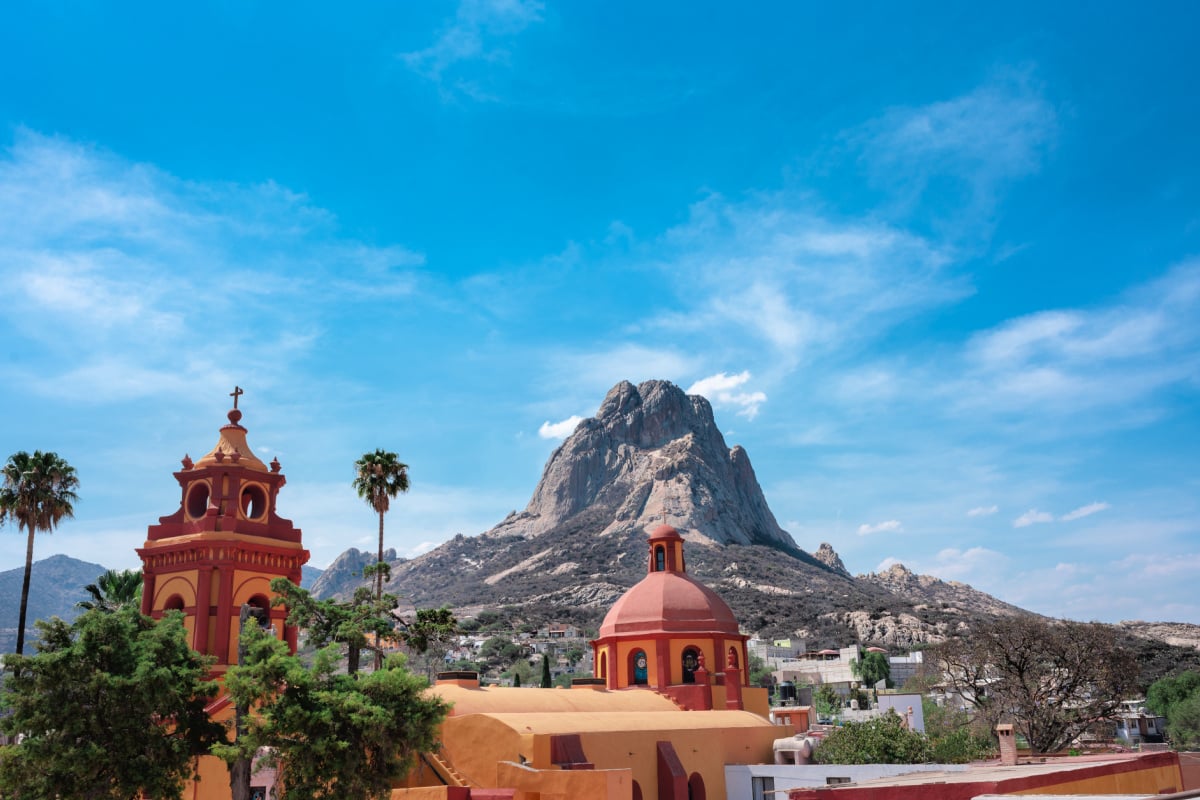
<point>232,447</point>
<point>669,601</point>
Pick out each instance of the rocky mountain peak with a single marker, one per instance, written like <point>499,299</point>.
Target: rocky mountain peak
<point>827,556</point>
<point>651,455</point>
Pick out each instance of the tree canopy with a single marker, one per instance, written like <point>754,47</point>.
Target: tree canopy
<point>38,493</point>
<point>114,589</point>
<point>429,635</point>
<point>112,706</point>
<point>1178,699</point>
<point>351,625</point>
<point>880,740</point>
<point>330,734</point>
<point>378,477</point>
<point>1050,678</point>
<point>873,668</point>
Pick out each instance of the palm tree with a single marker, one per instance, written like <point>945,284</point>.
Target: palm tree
<point>379,477</point>
<point>38,493</point>
<point>114,590</point>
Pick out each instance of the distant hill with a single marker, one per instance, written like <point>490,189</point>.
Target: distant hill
<point>55,586</point>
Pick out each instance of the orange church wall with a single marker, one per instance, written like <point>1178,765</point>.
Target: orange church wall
<point>556,784</point>
<point>705,741</point>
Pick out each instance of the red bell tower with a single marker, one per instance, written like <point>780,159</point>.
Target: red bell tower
<point>223,545</point>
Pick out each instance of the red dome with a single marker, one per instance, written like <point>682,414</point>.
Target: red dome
<point>669,602</point>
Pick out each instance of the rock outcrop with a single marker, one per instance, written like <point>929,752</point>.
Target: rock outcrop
<point>827,556</point>
<point>926,591</point>
<point>651,455</point>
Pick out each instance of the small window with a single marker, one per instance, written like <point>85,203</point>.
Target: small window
<point>660,559</point>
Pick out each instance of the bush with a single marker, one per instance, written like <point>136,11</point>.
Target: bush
<point>960,747</point>
<point>882,740</point>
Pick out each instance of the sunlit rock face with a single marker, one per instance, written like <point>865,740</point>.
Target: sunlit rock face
<point>652,455</point>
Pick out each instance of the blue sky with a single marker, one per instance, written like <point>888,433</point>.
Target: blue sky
<point>936,267</point>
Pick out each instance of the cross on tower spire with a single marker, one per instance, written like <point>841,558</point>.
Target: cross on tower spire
<point>235,394</point>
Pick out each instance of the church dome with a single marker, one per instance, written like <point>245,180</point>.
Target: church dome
<point>668,600</point>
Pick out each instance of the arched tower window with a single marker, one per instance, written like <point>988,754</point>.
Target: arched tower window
<point>660,558</point>
<point>732,661</point>
<point>691,662</point>
<point>602,666</point>
<point>639,668</point>
<point>696,787</point>
<point>174,603</point>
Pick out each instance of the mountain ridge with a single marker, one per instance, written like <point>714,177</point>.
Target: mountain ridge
<point>654,455</point>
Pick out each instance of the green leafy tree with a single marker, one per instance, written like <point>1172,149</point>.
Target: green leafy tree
<point>330,734</point>
<point>827,701</point>
<point>954,737</point>
<point>1165,693</point>
<point>429,636</point>
<point>356,625</point>
<point>113,590</point>
<point>1178,699</point>
<point>499,653</point>
<point>760,673</point>
<point>881,740</point>
<point>112,706</point>
<point>379,477</point>
<point>38,493</point>
<point>1183,723</point>
<point>546,681</point>
<point>1051,678</point>
<point>873,668</point>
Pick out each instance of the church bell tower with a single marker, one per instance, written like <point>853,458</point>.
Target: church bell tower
<point>222,546</point>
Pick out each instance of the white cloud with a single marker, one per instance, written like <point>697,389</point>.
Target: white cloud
<point>1084,511</point>
<point>475,37</point>
<point>882,527</point>
<point>128,263</point>
<point>994,134</point>
<point>1032,517</point>
<point>968,565</point>
<point>886,564</point>
<point>559,430</point>
<point>1066,361</point>
<point>719,389</point>
<point>983,511</point>
<point>771,269</point>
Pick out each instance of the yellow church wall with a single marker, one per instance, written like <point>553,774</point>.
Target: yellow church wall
<point>180,583</point>
<point>1148,781</point>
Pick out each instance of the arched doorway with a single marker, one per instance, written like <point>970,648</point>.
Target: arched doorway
<point>637,791</point>
<point>696,787</point>
<point>639,668</point>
